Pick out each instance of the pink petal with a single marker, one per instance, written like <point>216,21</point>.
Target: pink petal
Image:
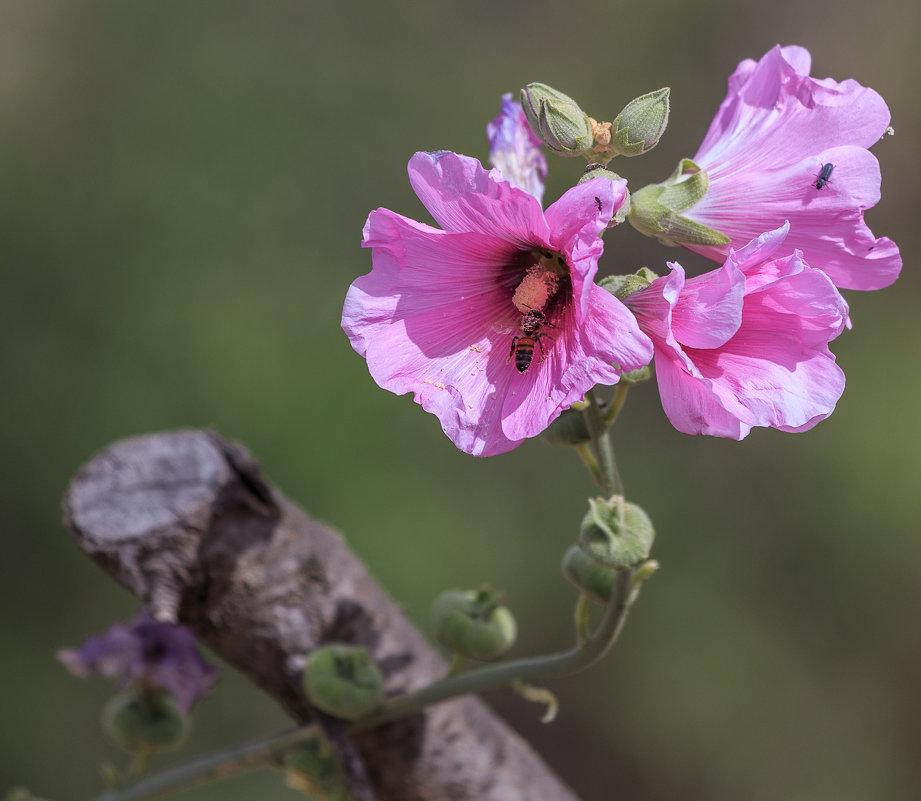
<point>462,196</point>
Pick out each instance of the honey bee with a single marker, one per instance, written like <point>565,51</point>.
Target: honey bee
<point>523,346</point>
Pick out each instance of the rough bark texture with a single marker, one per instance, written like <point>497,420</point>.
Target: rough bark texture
<point>186,521</point>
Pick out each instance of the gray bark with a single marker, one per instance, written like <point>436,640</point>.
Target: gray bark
<point>187,522</point>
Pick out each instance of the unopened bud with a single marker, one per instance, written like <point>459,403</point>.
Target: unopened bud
<point>616,533</point>
<point>568,429</point>
<point>640,125</point>
<point>343,681</point>
<point>143,722</point>
<point>312,768</point>
<point>473,623</point>
<point>588,576</point>
<point>557,119</point>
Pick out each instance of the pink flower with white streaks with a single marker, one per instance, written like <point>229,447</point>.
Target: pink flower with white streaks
<point>764,154</point>
<point>443,313</point>
<point>515,150</point>
<point>747,344</point>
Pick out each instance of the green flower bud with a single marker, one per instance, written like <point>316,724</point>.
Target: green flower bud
<point>473,623</point>
<point>557,119</point>
<point>568,429</point>
<point>588,576</point>
<point>654,209</point>
<point>638,376</point>
<point>312,768</point>
<point>343,681</point>
<point>640,125</point>
<point>143,722</point>
<point>616,533</point>
<point>621,286</point>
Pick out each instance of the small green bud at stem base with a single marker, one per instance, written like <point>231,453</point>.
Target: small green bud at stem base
<point>144,722</point>
<point>473,623</point>
<point>343,681</point>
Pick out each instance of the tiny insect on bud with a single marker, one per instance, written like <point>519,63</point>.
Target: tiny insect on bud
<point>473,623</point>
<point>343,681</point>
<point>144,722</point>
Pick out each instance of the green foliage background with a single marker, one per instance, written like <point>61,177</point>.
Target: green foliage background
<point>182,191</point>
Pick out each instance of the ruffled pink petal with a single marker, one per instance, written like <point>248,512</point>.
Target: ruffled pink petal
<point>774,370</point>
<point>826,224</point>
<point>577,220</point>
<point>462,196</point>
<point>709,310</point>
<point>689,401</point>
<point>764,151</point>
<point>774,113</point>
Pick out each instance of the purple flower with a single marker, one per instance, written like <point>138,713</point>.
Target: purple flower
<point>446,314</point>
<point>156,655</point>
<point>747,344</point>
<point>764,154</point>
<point>515,151</point>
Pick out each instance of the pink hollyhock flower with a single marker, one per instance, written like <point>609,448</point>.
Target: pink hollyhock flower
<point>747,344</point>
<point>443,312</point>
<point>764,153</point>
<point>515,151</point>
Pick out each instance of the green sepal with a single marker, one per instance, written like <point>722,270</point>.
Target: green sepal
<point>343,681</point>
<point>616,533</point>
<point>474,623</point>
<point>622,286</point>
<point>655,209</point>
<point>638,376</point>
<point>143,722</point>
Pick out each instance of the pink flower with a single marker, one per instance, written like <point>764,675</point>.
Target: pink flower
<point>747,344</point>
<point>515,151</point>
<point>765,151</point>
<point>442,310</point>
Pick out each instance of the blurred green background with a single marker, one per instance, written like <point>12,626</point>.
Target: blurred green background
<point>182,191</point>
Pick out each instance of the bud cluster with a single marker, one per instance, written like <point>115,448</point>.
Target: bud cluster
<point>568,131</point>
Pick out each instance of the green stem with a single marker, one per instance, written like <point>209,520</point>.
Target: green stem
<point>588,459</point>
<point>620,397</point>
<point>583,607</point>
<point>531,669</point>
<point>601,444</point>
<point>257,753</point>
